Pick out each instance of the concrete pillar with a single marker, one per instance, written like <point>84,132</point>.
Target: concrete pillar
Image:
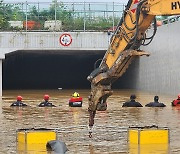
<point>1,77</point>
<point>2,56</point>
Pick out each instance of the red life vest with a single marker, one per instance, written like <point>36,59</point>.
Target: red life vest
<point>176,102</point>
<point>76,99</point>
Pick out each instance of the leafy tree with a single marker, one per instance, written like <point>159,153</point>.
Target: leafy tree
<point>33,13</point>
<point>5,13</point>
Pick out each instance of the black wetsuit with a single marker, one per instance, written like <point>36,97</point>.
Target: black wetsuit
<point>132,103</point>
<point>155,104</point>
<point>46,104</point>
<point>18,103</point>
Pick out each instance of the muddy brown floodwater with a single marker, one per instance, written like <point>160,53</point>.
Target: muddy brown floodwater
<point>110,129</point>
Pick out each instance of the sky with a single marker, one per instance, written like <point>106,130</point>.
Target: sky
<point>120,1</point>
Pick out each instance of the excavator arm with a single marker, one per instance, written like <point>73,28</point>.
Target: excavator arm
<point>130,34</point>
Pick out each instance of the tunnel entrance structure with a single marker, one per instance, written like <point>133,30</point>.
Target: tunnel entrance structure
<point>48,69</point>
<point>52,69</point>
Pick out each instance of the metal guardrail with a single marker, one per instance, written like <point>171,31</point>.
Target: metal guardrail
<point>63,16</point>
<point>79,16</point>
<point>171,20</point>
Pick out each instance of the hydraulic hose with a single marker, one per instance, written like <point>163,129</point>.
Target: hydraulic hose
<point>150,38</point>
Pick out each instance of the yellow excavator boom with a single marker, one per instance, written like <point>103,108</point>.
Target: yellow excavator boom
<point>130,34</point>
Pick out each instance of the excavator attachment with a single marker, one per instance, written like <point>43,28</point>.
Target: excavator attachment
<point>101,83</point>
<point>138,17</point>
<point>97,101</point>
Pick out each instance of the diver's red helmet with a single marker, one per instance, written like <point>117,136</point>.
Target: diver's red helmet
<point>46,97</point>
<point>178,96</point>
<point>19,98</point>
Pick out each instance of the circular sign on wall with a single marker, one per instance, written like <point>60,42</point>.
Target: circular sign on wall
<point>65,39</point>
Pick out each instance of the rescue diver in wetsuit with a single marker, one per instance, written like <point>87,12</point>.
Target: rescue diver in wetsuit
<point>132,102</point>
<point>176,101</point>
<point>46,102</point>
<point>18,102</point>
<point>155,103</point>
<point>76,100</point>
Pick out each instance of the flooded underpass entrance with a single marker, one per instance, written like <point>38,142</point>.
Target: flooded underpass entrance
<point>48,69</point>
<point>54,69</point>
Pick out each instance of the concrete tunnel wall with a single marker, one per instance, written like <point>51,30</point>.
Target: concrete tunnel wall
<point>160,72</point>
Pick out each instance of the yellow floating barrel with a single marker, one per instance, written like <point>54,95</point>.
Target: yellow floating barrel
<point>34,139</point>
<point>148,140</point>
